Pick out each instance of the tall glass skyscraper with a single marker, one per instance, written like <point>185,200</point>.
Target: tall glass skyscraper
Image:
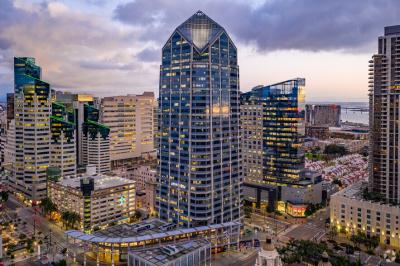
<point>272,120</point>
<point>279,110</point>
<point>199,171</point>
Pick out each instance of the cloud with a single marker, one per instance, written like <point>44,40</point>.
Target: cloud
<point>275,24</point>
<point>106,65</point>
<point>76,49</point>
<point>150,55</point>
<point>114,47</point>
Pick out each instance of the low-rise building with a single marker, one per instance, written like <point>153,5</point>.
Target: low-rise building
<point>144,175</point>
<point>98,199</point>
<point>290,198</point>
<point>360,133</point>
<point>350,213</point>
<point>194,252</point>
<point>318,132</point>
<point>114,243</point>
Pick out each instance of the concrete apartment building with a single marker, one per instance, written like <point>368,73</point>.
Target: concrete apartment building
<point>145,177</point>
<point>131,122</point>
<point>323,115</point>
<point>384,126</point>
<point>351,210</point>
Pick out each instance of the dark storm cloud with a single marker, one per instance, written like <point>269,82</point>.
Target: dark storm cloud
<point>276,24</point>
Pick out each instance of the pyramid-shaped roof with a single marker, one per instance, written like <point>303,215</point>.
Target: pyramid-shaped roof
<point>200,30</point>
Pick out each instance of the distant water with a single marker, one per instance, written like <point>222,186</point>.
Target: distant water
<point>350,115</point>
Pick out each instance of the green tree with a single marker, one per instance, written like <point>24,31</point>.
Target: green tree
<point>332,233</point>
<point>70,219</point>
<point>65,218</point>
<point>397,257</point>
<point>337,182</point>
<point>372,243</point>
<point>4,196</point>
<point>60,263</point>
<point>247,212</point>
<point>333,149</point>
<point>74,219</point>
<point>47,206</point>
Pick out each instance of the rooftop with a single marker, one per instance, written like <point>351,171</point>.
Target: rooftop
<point>146,230</point>
<point>200,30</point>
<point>392,30</point>
<point>158,256</point>
<point>100,181</point>
<point>353,192</point>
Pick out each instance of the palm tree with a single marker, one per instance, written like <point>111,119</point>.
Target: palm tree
<point>47,206</point>
<point>75,218</point>
<point>65,218</point>
<point>372,243</point>
<point>70,219</point>
<point>4,196</point>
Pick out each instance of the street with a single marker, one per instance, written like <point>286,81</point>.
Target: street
<point>53,237</point>
<point>313,229</point>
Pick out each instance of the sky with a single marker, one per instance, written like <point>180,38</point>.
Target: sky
<point>114,47</point>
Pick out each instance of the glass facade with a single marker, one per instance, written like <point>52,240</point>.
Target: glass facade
<point>62,121</point>
<point>91,125</point>
<point>199,172</point>
<point>280,110</point>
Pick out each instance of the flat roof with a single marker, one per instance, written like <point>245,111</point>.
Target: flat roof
<point>100,181</point>
<point>157,256</point>
<point>125,233</point>
<point>354,191</point>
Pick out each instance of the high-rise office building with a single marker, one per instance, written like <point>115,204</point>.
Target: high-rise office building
<point>384,168</point>
<point>10,107</point>
<point>273,132</point>
<point>199,172</point>
<point>32,130</point>
<point>3,140</point>
<point>63,146</point>
<point>272,119</point>
<point>95,141</point>
<point>131,122</point>
<point>9,148</point>
<point>92,148</point>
